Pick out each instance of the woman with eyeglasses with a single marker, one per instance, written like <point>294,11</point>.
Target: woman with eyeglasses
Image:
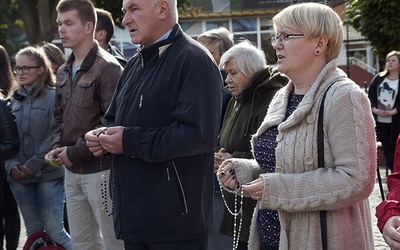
<point>38,187</point>
<point>308,41</point>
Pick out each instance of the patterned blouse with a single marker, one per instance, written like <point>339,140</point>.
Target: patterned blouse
<point>264,152</point>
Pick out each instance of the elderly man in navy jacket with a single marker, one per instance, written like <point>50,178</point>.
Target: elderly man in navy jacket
<point>162,126</point>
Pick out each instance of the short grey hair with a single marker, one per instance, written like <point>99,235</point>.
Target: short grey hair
<point>220,35</point>
<point>247,58</point>
<point>173,4</point>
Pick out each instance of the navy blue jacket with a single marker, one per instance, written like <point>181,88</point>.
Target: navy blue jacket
<point>169,101</point>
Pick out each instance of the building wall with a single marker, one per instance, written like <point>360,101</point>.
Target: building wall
<point>258,29</point>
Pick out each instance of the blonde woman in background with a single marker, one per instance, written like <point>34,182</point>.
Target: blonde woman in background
<point>55,55</point>
<point>385,102</point>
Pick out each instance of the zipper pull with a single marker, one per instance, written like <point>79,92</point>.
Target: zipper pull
<point>140,101</point>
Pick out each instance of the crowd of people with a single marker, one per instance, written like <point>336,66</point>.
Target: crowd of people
<point>101,152</point>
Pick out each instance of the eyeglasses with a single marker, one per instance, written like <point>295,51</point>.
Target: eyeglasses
<point>24,69</point>
<point>284,38</point>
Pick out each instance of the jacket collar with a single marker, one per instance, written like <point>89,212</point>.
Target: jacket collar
<point>312,99</point>
<point>24,92</point>
<point>87,62</point>
<point>158,48</point>
<point>257,83</point>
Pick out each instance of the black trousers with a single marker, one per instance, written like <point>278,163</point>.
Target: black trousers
<point>10,225</point>
<point>384,133</point>
<point>197,244</point>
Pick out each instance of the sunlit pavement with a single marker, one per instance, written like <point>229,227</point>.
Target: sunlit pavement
<point>375,199</point>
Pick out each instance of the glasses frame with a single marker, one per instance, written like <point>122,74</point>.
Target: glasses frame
<point>284,38</point>
<point>24,69</point>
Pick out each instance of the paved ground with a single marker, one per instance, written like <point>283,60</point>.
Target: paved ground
<point>375,199</point>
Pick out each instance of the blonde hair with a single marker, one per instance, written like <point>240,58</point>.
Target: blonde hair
<point>390,54</point>
<point>313,20</point>
<point>54,54</point>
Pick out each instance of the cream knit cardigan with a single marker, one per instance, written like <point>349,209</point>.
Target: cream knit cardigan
<point>299,189</point>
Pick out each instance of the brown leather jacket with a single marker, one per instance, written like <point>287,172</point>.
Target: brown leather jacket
<point>80,105</point>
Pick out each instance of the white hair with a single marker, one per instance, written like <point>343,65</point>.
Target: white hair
<point>247,58</point>
<point>173,4</point>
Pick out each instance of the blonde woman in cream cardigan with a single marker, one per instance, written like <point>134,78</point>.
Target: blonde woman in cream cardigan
<point>284,174</point>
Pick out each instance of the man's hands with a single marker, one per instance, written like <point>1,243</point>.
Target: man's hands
<point>105,140</point>
<point>58,157</point>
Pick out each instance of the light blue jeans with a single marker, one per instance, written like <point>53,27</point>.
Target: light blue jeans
<point>89,208</point>
<point>41,205</point>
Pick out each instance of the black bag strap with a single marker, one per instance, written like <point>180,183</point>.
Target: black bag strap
<point>321,164</point>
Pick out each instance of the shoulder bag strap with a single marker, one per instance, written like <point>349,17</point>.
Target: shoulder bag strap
<point>321,164</point>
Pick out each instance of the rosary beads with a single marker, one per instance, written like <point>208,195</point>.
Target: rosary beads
<point>235,213</point>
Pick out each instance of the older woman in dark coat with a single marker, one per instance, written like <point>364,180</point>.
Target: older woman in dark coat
<point>252,84</point>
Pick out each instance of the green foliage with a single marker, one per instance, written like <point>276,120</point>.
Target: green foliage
<point>114,7</point>
<point>9,24</point>
<point>378,21</point>
<point>183,5</point>
<point>13,37</point>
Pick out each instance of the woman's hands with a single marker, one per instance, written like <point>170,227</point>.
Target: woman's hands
<point>226,175</point>
<point>20,171</point>
<point>255,188</point>
<point>384,113</point>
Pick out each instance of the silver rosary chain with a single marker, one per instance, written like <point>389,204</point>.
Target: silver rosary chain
<point>235,213</point>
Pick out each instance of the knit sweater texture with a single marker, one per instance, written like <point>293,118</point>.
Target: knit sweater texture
<point>298,189</point>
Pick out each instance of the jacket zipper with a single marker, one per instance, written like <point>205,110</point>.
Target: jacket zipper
<point>181,187</point>
<point>142,61</point>
<point>140,101</point>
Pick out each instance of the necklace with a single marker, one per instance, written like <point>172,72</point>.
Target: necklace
<point>235,213</point>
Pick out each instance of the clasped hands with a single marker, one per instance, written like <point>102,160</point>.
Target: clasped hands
<point>21,171</point>
<point>227,177</point>
<point>105,140</point>
<point>385,113</point>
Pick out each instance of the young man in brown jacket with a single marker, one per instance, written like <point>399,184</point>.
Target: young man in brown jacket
<point>85,85</point>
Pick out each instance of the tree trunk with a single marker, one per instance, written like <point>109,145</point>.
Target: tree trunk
<point>39,18</point>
